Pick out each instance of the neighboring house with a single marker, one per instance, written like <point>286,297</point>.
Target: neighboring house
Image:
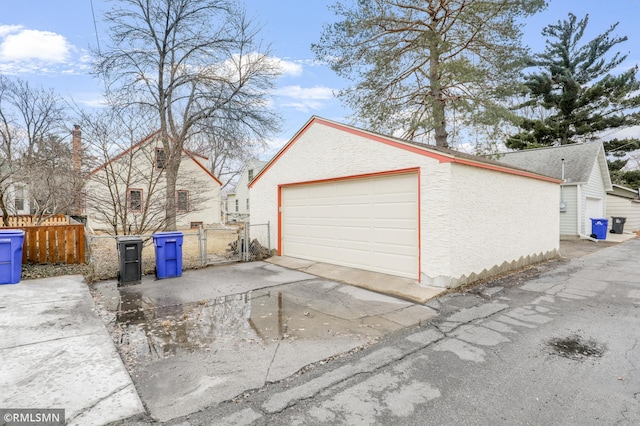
<point>624,202</point>
<point>585,175</point>
<point>15,193</point>
<point>341,195</point>
<point>238,202</point>
<point>132,185</point>
<point>18,201</point>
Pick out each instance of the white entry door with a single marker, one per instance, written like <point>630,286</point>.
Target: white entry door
<point>366,223</point>
<point>593,209</point>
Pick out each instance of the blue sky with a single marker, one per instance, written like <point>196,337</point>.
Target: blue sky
<point>46,43</point>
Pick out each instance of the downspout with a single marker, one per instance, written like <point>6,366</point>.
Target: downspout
<point>563,205</point>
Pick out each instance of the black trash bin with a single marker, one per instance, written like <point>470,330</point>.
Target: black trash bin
<point>130,254</point>
<point>617,227</point>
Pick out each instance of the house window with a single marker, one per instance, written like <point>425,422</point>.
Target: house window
<point>237,204</point>
<point>250,174</point>
<point>160,158</point>
<point>135,200</point>
<point>247,204</point>
<point>182,201</point>
<point>19,199</point>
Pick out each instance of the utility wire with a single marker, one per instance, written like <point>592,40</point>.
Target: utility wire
<point>95,26</point>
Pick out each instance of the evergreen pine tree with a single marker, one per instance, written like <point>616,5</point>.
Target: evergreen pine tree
<point>580,98</point>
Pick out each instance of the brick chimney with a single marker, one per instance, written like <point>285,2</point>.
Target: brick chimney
<point>76,145</point>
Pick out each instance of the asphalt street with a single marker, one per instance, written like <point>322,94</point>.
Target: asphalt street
<point>558,349</point>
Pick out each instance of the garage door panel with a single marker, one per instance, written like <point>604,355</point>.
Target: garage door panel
<point>351,211</point>
<point>367,223</point>
<point>393,224</point>
<point>392,211</point>
<point>405,238</point>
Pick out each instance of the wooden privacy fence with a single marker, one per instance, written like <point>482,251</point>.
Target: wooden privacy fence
<point>53,244</point>
<point>23,220</point>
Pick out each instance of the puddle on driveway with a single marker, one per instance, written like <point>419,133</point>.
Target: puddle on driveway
<point>148,329</point>
<point>187,347</point>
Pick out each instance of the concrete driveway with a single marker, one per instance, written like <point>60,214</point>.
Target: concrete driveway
<point>56,353</point>
<point>194,341</point>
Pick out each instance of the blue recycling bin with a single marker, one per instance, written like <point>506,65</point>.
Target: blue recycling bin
<point>11,241</point>
<point>168,254</point>
<point>599,228</point>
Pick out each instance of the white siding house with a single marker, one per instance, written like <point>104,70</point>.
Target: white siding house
<point>585,175</point>
<point>238,201</point>
<point>624,202</point>
<point>17,199</point>
<point>130,189</point>
<point>342,195</point>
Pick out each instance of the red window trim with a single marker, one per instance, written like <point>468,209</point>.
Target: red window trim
<point>164,159</point>
<point>129,200</point>
<point>188,200</point>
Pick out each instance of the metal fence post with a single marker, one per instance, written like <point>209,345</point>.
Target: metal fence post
<point>246,243</point>
<point>202,246</point>
<point>269,236</point>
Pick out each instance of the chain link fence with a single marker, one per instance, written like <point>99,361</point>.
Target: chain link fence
<point>251,243</point>
<point>201,247</point>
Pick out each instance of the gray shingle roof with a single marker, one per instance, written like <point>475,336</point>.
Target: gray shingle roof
<point>579,161</point>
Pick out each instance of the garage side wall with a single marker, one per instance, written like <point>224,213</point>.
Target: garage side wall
<point>569,219</point>
<point>624,207</point>
<point>500,222</point>
<point>323,152</point>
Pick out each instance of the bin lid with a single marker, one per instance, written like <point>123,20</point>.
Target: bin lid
<point>9,232</point>
<point>129,238</point>
<point>167,234</point>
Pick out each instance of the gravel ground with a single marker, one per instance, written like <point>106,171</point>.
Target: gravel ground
<point>46,270</point>
<point>103,262</point>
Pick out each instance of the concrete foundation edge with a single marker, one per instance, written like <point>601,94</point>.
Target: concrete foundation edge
<point>523,261</point>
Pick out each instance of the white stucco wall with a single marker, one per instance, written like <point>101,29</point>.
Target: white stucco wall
<point>453,243</point>
<point>499,218</point>
<point>323,152</point>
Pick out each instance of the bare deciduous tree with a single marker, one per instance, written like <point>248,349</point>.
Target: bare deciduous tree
<point>35,150</point>
<point>188,62</point>
<point>121,154</point>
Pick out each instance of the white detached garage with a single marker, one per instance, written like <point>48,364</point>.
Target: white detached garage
<point>345,196</point>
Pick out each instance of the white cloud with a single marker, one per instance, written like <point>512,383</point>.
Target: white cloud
<point>28,51</point>
<point>272,147</point>
<point>8,29</point>
<point>34,45</point>
<point>304,99</point>
<point>297,92</point>
<point>289,68</point>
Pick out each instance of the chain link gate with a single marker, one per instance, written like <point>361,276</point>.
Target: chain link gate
<point>228,244</point>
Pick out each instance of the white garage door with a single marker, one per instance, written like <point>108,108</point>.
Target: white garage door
<point>365,223</point>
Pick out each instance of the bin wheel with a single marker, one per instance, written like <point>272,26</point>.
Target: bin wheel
<point>594,236</point>
<point>611,231</point>
<point>118,277</point>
